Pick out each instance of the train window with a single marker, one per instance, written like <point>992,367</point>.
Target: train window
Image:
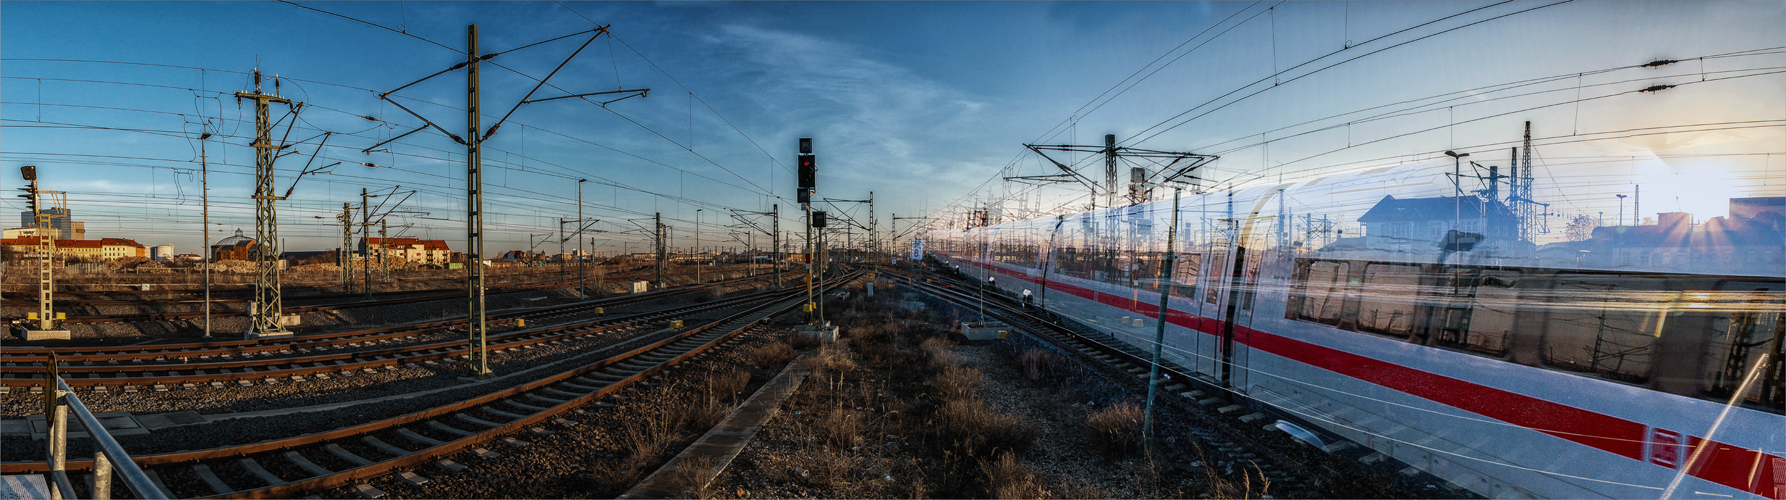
<point>1491,315</point>
<point>1389,298</point>
<point>1322,291</point>
<point>1217,262</point>
<point>1601,325</point>
<point>1738,338</point>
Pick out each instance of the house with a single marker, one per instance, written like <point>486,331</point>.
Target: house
<point>234,248</point>
<point>1734,245</point>
<point>93,250</point>
<point>1422,224</point>
<point>409,249</point>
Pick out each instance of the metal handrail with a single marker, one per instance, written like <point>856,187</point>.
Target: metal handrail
<point>108,455</point>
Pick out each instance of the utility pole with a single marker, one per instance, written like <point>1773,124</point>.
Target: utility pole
<point>582,291</point>
<point>366,240</point>
<point>873,237</point>
<point>268,298</point>
<point>775,239</point>
<point>474,207</point>
<point>1109,170</point>
<point>660,250</point>
<point>205,194</point>
<point>1159,333</point>
<point>474,221</point>
<point>384,248</point>
<point>698,254</point>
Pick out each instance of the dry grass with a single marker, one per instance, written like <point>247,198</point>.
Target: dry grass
<point>842,428</point>
<point>957,383</point>
<point>1115,430</point>
<point>728,384</point>
<point>695,474</point>
<point>1008,477</point>
<point>771,355</point>
<point>831,359</point>
<point>976,430</point>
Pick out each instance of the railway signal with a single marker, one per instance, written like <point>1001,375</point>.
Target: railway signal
<point>46,251</point>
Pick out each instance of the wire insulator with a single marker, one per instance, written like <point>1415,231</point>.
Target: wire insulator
<point>1659,63</point>
<point>1656,88</point>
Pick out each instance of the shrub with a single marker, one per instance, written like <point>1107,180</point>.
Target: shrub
<point>771,355</point>
<point>1039,365</point>
<point>1115,430</point>
<point>976,430</point>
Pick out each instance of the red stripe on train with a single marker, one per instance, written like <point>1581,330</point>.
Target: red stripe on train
<point>1729,465</point>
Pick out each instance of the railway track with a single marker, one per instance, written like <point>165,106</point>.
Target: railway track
<point>297,465</point>
<point>394,298</point>
<point>248,361</point>
<point>1223,440</point>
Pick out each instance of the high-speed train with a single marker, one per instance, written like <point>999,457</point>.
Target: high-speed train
<point>1388,309</point>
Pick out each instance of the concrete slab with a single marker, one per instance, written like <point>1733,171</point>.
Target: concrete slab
<point>14,426</point>
<point>724,441</point>
<point>161,420</point>
<point>23,486</point>
<point>48,335</point>
<point>117,423</point>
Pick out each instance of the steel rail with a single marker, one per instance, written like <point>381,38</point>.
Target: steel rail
<point>34,354</point>
<point>572,379</point>
<point>390,356</point>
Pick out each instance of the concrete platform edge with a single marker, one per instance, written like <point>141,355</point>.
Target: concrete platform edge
<point>724,441</point>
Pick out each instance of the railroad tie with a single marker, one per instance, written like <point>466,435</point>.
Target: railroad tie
<point>156,478</point>
<point>503,414</point>
<point>566,423</point>
<point>216,385</point>
<point>210,479</point>
<point>524,406</point>
<point>306,464</point>
<point>448,465</point>
<point>383,446</point>
<point>486,454</point>
<point>366,490</point>
<point>580,387</point>
<point>474,420</point>
<point>417,438</point>
<point>449,429</point>
<point>413,478</point>
<point>540,431</point>
<point>1229,409</point>
<point>255,468</point>
<point>546,400</point>
<point>556,392</point>
<point>516,442</point>
<point>338,451</point>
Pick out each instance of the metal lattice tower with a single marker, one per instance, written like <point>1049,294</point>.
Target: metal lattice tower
<point>1526,208</point>
<point>267,296</point>
<point>41,214</point>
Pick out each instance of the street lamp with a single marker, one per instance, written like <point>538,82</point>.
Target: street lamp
<point>1621,209</point>
<point>1457,180</point>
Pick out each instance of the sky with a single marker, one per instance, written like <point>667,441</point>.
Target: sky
<point>925,104</point>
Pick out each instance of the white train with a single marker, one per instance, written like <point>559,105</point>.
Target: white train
<point>1439,335</point>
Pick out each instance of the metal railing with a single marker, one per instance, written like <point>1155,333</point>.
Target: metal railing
<point>108,455</point>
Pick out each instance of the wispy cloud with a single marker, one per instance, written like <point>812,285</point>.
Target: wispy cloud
<point>861,108</point>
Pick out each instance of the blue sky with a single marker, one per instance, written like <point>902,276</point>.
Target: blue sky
<point>921,103</point>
